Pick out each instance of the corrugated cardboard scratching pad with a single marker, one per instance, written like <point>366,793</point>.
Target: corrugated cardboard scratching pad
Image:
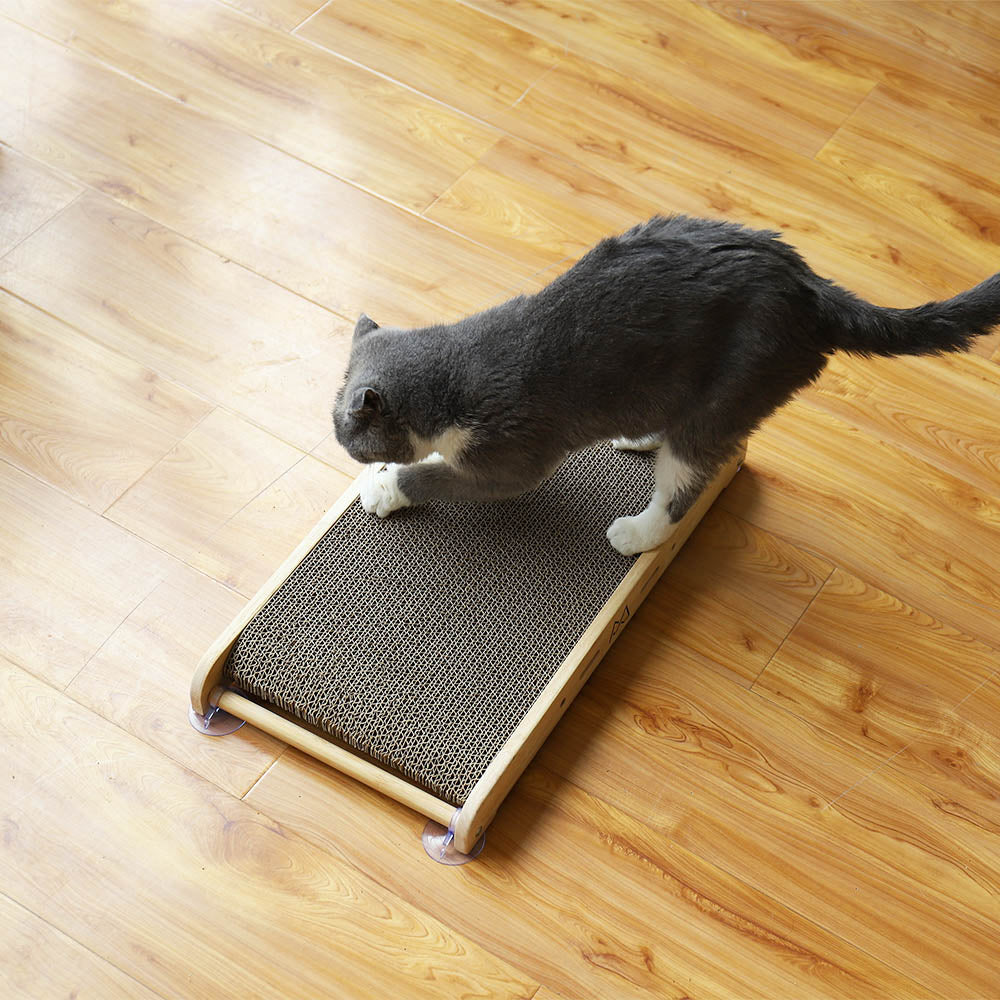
<point>423,642</point>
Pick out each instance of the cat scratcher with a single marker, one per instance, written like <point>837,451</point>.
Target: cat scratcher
<point>430,654</point>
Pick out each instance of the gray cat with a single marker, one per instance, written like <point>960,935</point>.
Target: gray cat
<point>681,335</point>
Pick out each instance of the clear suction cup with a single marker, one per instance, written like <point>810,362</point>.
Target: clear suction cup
<point>214,722</point>
<point>439,843</point>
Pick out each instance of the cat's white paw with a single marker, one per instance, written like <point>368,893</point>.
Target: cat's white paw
<point>380,492</point>
<point>631,535</point>
<point>649,442</point>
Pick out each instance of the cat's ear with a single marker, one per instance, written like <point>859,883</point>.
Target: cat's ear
<point>364,325</point>
<point>366,400</point>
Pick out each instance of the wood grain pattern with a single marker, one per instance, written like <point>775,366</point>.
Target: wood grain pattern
<point>297,97</point>
<point>732,595</point>
<point>208,477</point>
<point>37,962</point>
<point>941,410</point>
<point>150,294</point>
<point>68,577</point>
<point>792,103</point>
<point>840,668</point>
<point>30,195</point>
<point>246,200</point>
<point>460,56</point>
<point>981,17</point>
<point>138,680</point>
<point>928,32</point>
<point>686,159</point>
<point>929,537</point>
<point>988,346</point>
<point>284,14</point>
<point>64,400</point>
<point>243,552</point>
<point>542,209</point>
<point>171,876</point>
<point>646,929</point>
<point>935,172</point>
<point>973,756</point>
<point>798,814</point>
<point>833,34</point>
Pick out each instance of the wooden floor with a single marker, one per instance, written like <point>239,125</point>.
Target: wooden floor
<point>784,782</point>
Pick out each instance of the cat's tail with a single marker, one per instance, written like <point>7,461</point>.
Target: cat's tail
<point>935,328</point>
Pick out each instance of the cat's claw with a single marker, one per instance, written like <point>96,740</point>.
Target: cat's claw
<point>380,491</point>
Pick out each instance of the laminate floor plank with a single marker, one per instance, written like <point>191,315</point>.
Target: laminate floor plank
<point>68,577</point>
<point>456,54</point>
<point>983,16</point>
<point>150,294</point>
<point>275,214</point>
<point>284,14</point>
<point>189,890</point>
<point>139,680</point>
<point>244,551</point>
<point>761,794</point>
<point>298,97</point>
<point>679,157</point>
<point>919,68</point>
<point>732,594</point>
<point>540,208</point>
<point>940,410</point>
<point>37,962</point>
<point>892,681</point>
<point>207,478</point>
<point>970,47</point>
<point>934,171</point>
<point>30,195</point>
<point>699,56</point>
<point>911,529</point>
<point>64,401</point>
<point>647,928</point>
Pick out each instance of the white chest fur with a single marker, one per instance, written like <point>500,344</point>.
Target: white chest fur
<point>449,445</point>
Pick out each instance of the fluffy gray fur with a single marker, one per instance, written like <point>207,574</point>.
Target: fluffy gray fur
<point>684,332</point>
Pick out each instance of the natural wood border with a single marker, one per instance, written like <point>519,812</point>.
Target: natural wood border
<point>497,780</point>
<point>556,697</point>
<point>337,757</point>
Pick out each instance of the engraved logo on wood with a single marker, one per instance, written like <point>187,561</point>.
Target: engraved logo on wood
<point>620,622</point>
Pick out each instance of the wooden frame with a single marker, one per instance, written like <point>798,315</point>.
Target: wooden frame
<point>469,821</point>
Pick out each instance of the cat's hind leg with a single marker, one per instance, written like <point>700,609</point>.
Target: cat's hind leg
<point>648,442</point>
<point>678,485</point>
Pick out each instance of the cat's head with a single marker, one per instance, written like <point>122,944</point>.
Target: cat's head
<point>368,417</point>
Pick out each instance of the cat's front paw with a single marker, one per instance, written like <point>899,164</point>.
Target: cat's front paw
<point>380,490</point>
<point>631,535</point>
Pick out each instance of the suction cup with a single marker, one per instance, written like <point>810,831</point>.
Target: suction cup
<point>214,722</point>
<point>439,843</point>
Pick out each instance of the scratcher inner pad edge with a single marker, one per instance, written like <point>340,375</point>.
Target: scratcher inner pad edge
<point>423,640</point>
